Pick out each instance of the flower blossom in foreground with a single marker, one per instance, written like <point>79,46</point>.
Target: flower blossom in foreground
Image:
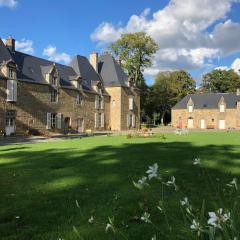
<point>233,183</point>
<point>217,219</point>
<point>196,227</point>
<point>146,217</point>
<point>172,183</point>
<point>197,161</point>
<point>152,171</point>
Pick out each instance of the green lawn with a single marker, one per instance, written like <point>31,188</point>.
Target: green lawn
<point>40,183</point>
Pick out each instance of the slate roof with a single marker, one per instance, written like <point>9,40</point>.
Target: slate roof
<point>208,100</point>
<point>33,69</point>
<point>110,71</point>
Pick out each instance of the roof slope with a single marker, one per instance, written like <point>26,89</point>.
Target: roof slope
<point>33,68</point>
<point>84,69</point>
<point>110,71</point>
<point>208,100</point>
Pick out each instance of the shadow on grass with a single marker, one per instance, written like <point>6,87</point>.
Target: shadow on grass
<point>41,186</point>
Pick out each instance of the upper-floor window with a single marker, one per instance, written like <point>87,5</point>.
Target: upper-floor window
<point>130,103</point>
<point>12,90</point>
<point>11,73</point>
<point>99,102</point>
<point>79,99</point>
<point>222,108</point>
<point>54,81</point>
<point>190,108</point>
<point>54,95</point>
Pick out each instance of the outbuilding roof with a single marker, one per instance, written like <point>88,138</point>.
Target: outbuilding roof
<point>209,100</point>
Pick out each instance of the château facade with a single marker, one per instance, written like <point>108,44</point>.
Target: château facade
<point>37,95</point>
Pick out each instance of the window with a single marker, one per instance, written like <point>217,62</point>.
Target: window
<point>11,73</point>
<point>98,102</point>
<point>99,120</point>
<point>12,90</point>
<point>131,121</point>
<point>54,120</point>
<point>10,118</point>
<point>131,103</point>
<point>79,99</point>
<point>54,95</point>
<point>190,108</point>
<point>54,81</point>
<point>222,108</point>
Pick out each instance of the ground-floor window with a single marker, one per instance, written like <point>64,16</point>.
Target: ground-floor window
<point>10,118</point>
<point>131,121</point>
<point>54,120</point>
<point>99,120</point>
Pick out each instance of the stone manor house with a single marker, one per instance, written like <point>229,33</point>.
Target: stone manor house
<point>208,111</point>
<point>37,95</point>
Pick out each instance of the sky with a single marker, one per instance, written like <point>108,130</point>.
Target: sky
<point>194,35</point>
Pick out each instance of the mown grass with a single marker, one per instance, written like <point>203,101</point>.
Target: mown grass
<point>40,183</point>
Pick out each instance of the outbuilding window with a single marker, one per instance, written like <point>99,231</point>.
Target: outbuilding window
<point>190,108</point>
<point>222,108</point>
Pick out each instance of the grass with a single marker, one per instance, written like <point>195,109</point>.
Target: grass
<point>40,183</point>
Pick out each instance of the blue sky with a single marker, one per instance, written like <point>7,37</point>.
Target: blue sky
<point>195,35</point>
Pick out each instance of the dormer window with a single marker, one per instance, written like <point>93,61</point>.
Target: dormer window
<point>190,108</point>
<point>222,107</point>
<point>11,73</point>
<point>54,81</point>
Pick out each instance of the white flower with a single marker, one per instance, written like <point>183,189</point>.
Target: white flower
<point>152,171</point>
<point>91,219</point>
<point>184,202</point>
<point>197,161</point>
<point>172,183</point>
<point>233,183</point>
<point>146,217</point>
<point>196,227</point>
<point>110,225</point>
<point>141,183</point>
<point>17,217</point>
<point>154,237</point>
<point>218,218</point>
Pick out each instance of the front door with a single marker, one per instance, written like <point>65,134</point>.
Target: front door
<point>202,124</point>
<point>80,125</point>
<point>190,123</point>
<point>66,124</point>
<point>10,122</point>
<point>221,124</point>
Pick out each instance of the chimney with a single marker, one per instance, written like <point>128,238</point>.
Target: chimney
<point>10,43</point>
<point>238,92</point>
<point>94,61</point>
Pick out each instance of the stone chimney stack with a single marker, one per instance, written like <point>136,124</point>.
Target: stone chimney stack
<point>238,92</point>
<point>94,61</point>
<point>10,43</point>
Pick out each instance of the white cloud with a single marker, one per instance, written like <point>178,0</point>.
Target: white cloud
<point>25,45</point>
<point>53,55</point>
<point>8,3</point>
<point>181,30</point>
<point>236,65</point>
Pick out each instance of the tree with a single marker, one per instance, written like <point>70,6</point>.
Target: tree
<point>168,89</point>
<point>134,52</point>
<point>221,81</point>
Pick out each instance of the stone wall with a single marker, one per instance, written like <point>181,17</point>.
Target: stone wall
<point>119,107</point>
<point>211,118</point>
<point>33,104</point>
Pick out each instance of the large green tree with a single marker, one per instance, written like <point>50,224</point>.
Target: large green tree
<point>167,90</point>
<point>134,51</point>
<point>221,81</point>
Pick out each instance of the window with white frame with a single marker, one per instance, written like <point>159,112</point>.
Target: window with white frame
<point>53,96</point>
<point>130,103</point>
<point>79,99</point>
<point>11,73</point>
<point>99,120</point>
<point>190,108</point>
<point>131,121</point>
<point>54,81</point>
<point>222,108</point>
<point>11,90</point>
<point>54,120</point>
